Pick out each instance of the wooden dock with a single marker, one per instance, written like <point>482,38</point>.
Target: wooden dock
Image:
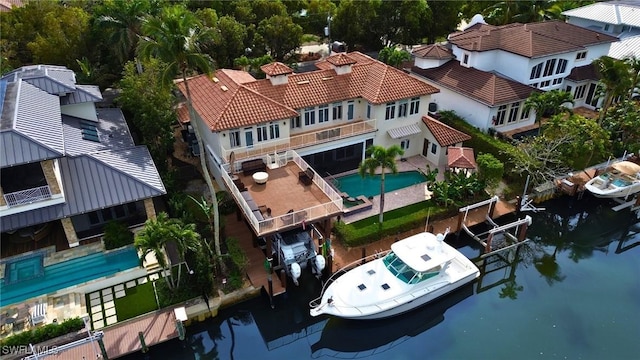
<point>122,339</point>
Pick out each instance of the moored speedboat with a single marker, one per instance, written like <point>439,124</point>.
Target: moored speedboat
<point>621,180</point>
<point>415,271</point>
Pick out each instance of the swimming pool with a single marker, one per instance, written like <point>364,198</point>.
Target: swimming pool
<point>65,274</point>
<point>355,185</point>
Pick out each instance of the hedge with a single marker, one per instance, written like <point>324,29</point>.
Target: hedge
<point>396,221</point>
<point>44,333</point>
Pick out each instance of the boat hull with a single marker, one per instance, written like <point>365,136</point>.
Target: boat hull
<point>419,302</point>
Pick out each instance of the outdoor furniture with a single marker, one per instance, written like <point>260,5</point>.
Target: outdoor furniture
<point>260,177</point>
<point>38,314</point>
<point>250,167</point>
<point>306,177</point>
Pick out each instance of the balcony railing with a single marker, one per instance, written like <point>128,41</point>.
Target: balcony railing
<point>28,196</point>
<point>274,224</point>
<point>302,140</point>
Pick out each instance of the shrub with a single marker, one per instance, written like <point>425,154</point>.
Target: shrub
<point>116,234</point>
<point>43,333</point>
<point>226,204</point>
<point>237,255</point>
<point>490,169</point>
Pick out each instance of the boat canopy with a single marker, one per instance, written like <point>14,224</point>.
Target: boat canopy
<point>627,167</point>
<point>422,252</point>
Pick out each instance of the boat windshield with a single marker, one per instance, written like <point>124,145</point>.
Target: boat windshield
<point>405,273</point>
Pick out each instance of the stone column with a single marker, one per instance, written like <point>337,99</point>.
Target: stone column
<point>149,209</point>
<point>70,232</point>
<point>2,201</point>
<point>50,175</point>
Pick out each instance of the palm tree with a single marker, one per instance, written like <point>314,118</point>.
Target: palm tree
<point>634,64</point>
<point>174,37</point>
<point>155,236</point>
<point>384,158</point>
<point>548,103</point>
<point>615,77</point>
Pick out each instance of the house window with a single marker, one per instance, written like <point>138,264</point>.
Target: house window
<point>513,112</point>
<point>548,67</point>
<point>580,90</point>
<point>568,89</point>
<point>309,116</point>
<point>434,148</point>
<point>323,113</point>
<point>465,59</point>
<point>556,81</point>
<point>402,108</point>
<point>535,85</point>
<point>350,106</point>
<point>295,122</point>
<point>525,114</point>
<point>262,133</point>
<point>581,55</point>
<point>390,111</point>
<point>502,112</point>
<point>368,111</point>
<point>234,138</point>
<point>404,144</point>
<point>274,130</point>
<point>536,71</point>
<point>545,83</point>
<point>414,105</point>
<point>337,111</point>
<point>562,66</point>
<point>606,27</point>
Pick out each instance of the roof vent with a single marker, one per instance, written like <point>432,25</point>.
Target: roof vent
<point>224,88</point>
<point>301,82</point>
<point>327,78</point>
<point>215,79</point>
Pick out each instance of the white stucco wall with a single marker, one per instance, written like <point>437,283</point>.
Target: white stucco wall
<point>83,110</point>
<point>475,112</point>
<point>429,63</point>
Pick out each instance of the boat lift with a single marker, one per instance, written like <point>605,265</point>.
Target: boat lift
<point>497,238</point>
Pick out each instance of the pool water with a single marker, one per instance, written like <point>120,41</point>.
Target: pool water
<point>24,268</point>
<point>355,185</point>
<point>68,273</point>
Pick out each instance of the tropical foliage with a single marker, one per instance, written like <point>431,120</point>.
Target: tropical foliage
<point>616,76</point>
<point>622,121</point>
<point>490,169</point>
<point>385,159</point>
<point>393,56</point>
<point>548,103</point>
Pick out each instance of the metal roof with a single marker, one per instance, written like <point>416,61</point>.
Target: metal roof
<point>93,182</point>
<point>30,127</point>
<point>82,94</point>
<point>611,12</point>
<point>629,45</point>
<point>111,127</point>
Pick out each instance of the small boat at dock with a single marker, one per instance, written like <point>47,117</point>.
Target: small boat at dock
<point>417,270</point>
<point>620,180</point>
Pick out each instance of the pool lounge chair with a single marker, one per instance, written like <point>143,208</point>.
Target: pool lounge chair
<point>38,314</point>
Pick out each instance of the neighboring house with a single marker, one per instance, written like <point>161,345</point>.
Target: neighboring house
<point>439,139</point>
<point>8,5</point>
<point>321,120</point>
<point>616,18</point>
<point>64,161</point>
<point>497,67</point>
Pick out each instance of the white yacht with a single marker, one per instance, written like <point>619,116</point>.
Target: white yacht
<point>620,180</point>
<point>415,271</point>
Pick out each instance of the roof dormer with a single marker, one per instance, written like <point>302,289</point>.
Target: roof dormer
<point>277,72</point>
<point>431,56</point>
<point>341,63</point>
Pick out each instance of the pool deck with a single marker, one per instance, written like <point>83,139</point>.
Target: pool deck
<point>401,197</point>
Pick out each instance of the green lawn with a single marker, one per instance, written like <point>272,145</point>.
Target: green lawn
<point>139,300</point>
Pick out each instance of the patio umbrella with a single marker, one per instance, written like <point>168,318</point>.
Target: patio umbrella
<point>627,167</point>
<point>232,160</point>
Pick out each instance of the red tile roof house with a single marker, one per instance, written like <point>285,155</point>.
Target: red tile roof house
<point>324,119</point>
<point>486,72</point>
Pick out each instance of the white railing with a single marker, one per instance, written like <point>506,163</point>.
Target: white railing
<point>294,218</point>
<point>28,196</point>
<point>303,140</point>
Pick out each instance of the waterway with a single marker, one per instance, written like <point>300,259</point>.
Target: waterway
<point>573,292</point>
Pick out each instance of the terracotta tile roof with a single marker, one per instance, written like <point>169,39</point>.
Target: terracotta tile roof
<point>228,105</point>
<point>530,40</point>
<point>461,157</point>
<point>581,73</point>
<point>276,68</point>
<point>432,51</point>
<point>341,59</point>
<point>183,113</point>
<point>445,135</point>
<point>240,77</point>
<point>483,86</point>
<point>251,102</point>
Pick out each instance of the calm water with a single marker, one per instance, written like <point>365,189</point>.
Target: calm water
<point>356,185</point>
<point>573,293</point>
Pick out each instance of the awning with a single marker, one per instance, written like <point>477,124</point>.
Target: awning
<point>404,131</point>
